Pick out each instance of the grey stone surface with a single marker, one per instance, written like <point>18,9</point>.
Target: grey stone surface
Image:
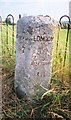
<point>33,56</point>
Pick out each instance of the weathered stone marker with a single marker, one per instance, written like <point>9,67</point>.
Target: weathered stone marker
<point>33,56</point>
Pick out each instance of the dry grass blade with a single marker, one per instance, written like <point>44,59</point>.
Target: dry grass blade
<point>55,115</point>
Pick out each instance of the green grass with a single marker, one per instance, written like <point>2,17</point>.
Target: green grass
<point>61,43</point>
<point>8,52</point>
<point>58,54</point>
<point>70,47</point>
<point>4,34</point>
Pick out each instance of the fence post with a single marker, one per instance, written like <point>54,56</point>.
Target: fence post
<point>7,34</point>
<point>0,67</point>
<point>12,31</point>
<point>19,16</point>
<point>0,28</point>
<point>66,37</point>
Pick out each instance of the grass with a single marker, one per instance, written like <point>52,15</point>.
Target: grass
<point>58,54</point>
<point>8,52</point>
<point>53,105</point>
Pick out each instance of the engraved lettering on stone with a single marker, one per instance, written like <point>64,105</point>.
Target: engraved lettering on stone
<point>33,56</point>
